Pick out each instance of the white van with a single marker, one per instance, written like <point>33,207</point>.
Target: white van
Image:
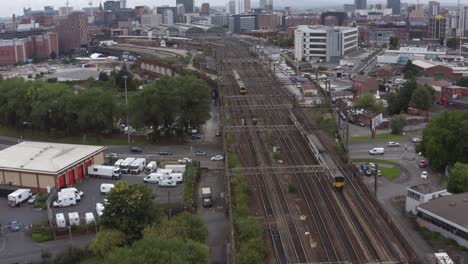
<point>152,166</point>
<point>74,219</point>
<point>106,187</point>
<point>65,200</point>
<point>377,151</point>
<point>89,218</point>
<point>177,177</point>
<point>167,183</point>
<point>73,190</point>
<point>154,177</point>
<point>60,220</point>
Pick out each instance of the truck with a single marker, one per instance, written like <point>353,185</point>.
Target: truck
<point>102,171</point>
<point>125,166</point>
<point>65,200</point>
<point>177,177</point>
<point>138,166</point>
<point>60,220</point>
<point>73,190</point>
<point>154,177</point>
<point>152,166</point>
<point>74,219</point>
<point>118,163</point>
<point>206,195</point>
<point>19,196</point>
<point>176,167</point>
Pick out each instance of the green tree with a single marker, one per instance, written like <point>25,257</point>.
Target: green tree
<point>184,226</point>
<point>457,182</point>
<point>393,101</point>
<point>463,82</point>
<point>15,102</point>
<point>405,93</point>
<point>365,101</point>
<point>120,80</point>
<point>444,139</point>
<point>107,240</point>
<point>410,70</point>
<point>103,77</point>
<point>153,249</point>
<point>394,42</point>
<point>397,124</point>
<point>130,209</point>
<point>421,99</point>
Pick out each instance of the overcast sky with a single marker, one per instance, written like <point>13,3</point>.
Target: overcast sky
<point>8,7</point>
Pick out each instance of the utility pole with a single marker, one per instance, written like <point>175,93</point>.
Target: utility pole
<point>125,77</point>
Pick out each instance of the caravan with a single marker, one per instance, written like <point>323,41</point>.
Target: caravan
<point>154,178</point>
<point>106,188</point>
<point>177,177</point>
<point>74,219</point>
<point>60,220</point>
<point>89,218</point>
<point>176,167</point>
<point>65,200</point>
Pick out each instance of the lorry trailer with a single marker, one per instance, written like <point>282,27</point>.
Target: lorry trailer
<point>102,171</point>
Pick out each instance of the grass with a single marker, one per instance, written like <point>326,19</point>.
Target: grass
<point>380,161</point>
<point>42,136</point>
<point>390,173</point>
<point>381,137</point>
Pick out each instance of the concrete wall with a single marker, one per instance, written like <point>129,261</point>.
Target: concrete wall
<point>29,180</point>
<point>46,180</point>
<point>13,177</point>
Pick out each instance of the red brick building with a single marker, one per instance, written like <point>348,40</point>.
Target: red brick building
<point>438,72</point>
<point>20,50</point>
<point>73,32</point>
<point>364,84</point>
<point>293,21</point>
<point>454,92</point>
<point>267,21</point>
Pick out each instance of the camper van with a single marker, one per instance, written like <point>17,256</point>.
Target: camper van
<point>106,187</point>
<point>60,220</point>
<point>74,219</point>
<point>152,166</point>
<point>65,200</point>
<point>177,177</point>
<point>377,151</point>
<point>19,196</point>
<point>154,177</point>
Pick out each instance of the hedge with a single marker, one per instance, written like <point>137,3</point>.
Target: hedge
<point>191,174</point>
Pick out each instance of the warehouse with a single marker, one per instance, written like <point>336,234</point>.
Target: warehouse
<point>42,165</point>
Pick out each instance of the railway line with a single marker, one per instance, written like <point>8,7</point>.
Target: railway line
<point>317,223</point>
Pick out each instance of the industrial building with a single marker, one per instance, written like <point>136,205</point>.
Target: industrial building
<point>422,193</point>
<point>41,165</point>
<point>324,43</point>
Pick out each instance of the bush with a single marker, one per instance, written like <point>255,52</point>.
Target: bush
<point>191,174</point>
<point>41,233</point>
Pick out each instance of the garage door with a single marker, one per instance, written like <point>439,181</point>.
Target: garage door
<point>71,178</point>
<point>87,164</point>
<point>79,170</point>
<point>61,182</point>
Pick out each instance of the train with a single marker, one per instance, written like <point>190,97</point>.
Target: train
<point>240,83</point>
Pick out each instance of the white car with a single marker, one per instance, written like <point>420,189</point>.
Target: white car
<point>184,160</point>
<point>217,157</point>
<point>393,144</point>
<point>416,140</point>
<point>424,175</point>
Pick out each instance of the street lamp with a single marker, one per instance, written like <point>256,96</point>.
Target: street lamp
<point>125,77</point>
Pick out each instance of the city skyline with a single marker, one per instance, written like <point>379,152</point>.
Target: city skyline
<point>16,7</point>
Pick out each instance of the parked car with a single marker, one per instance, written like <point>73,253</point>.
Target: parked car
<point>33,198</point>
<point>196,136</point>
<point>136,150</point>
<point>393,144</point>
<point>14,226</point>
<point>422,164</point>
<point>200,153</point>
<point>112,155</point>
<point>165,153</point>
<point>217,157</point>
<point>424,175</point>
<point>416,140</point>
<point>184,160</point>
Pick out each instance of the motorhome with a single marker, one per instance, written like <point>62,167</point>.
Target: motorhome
<point>65,200</point>
<point>152,166</point>
<point>19,196</point>
<point>125,166</point>
<point>138,166</point>
<point>106,187</point>
<point>73,190</point>
<point>177,177</point>
<point>67,193</point>
<point>60,220</point>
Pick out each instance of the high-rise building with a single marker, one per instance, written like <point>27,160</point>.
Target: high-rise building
<point>231,8</point>
<point>123,4</point>
<point>65,10</point>
<point>312,43</point>
<point>349,8</point>
<point>437,27</point>
<point>395,5</point>
<point>360,4</point>
<point>188,5</point>
<point>205,9</point>
<point>463,30</point>
<point>112,5</point>
<point>242,23</point>
<point>247,6</point>
<point>73,32</point>
<point>151,19</point>
<point>168,17</point>
<point>262,4</point>
<point>434,8</point>
<point>269,5</point>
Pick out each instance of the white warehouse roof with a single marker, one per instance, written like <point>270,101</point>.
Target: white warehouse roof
<point>44,157</point>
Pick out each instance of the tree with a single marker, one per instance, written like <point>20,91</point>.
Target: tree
<point>444,139</point>
<point>103,77</point>
<point>153,249</point>
<point>185,226</point>
<point>410,70</point>
<point>120,80</point>
<point>394,42</point>
<point>457,182</point>
<point>421,98</point>
<point>463,82</point>
<point>107,240</point>
<point>405,93</point>
<point>393,101</point>
<point>397,124</point>
<point>365,101</point>
<point>130,209</point>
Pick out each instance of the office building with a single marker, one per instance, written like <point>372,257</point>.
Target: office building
<point>268,21</point>
<point>360,4</point>
<point>188,5</point>
<point>111,5</point>
<point>151,19</point>
<point>312,43</point>
<point>220,20</point>
<point>205,9</point>
<point>231,7</point>
<point>437,27</point>
<point>247,6</point>
<point>123,4</point>
<point>73,32</point>
<point>65,10</point>
<point>242,23</point>
<point>463,29</point>
<point>168,17</point>
<point>395,5</point>
<point>434,8</point>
